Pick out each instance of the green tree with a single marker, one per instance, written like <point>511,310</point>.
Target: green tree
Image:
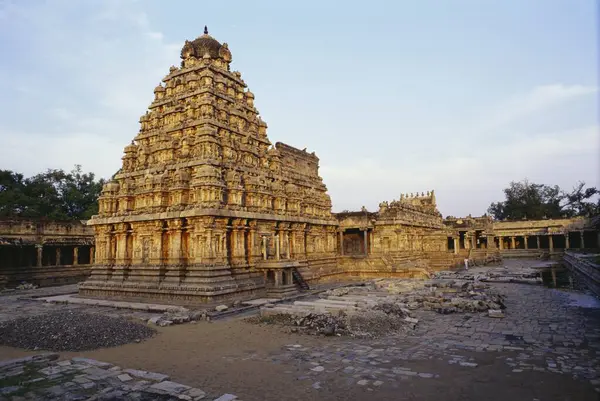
<point>79,193</point>
<point>52,194</point>
<point>13,200</point>
<point>527,200</point>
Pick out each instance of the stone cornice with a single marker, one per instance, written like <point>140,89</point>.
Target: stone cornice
<point>208,212</point>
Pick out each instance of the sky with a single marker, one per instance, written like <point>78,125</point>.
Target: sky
<point>457,96</point>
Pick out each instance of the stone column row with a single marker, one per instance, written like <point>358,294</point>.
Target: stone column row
<point>550,240</point>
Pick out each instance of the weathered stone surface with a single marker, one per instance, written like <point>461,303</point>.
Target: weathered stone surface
<point>170,387</point>
<point>83,377</point>
<point>226,397</point>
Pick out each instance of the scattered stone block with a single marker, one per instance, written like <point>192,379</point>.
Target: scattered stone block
<point>227,397</point>
<point>125,377</point>
<point>92,362</point>
<point>495,313</point>
<point>467,364</point>
<point>221,308</point>
<point>147,375</point>
<point>170,387</point>
<point>196,393</point>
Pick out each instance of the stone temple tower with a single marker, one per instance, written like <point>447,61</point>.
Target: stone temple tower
<point>204,207</point>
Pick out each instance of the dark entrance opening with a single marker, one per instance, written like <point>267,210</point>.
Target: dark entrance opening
<point>558,241</point>
<point>574,240</point>
<point>590,239</point>
<point>354,242</point>
<point>519,242</point>
<point>461,240</point>
<point>450,244</point>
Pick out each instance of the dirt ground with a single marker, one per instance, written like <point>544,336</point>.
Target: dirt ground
<point>233,356</point>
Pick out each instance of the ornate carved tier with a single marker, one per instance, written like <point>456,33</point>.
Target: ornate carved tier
<point>201,192</point>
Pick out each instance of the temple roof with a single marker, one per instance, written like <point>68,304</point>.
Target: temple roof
<point>202,45</point>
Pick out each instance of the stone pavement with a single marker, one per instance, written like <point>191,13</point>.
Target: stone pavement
<point>22,303</point>
<point>544,330</point>
<point>550,331</point>
<point>44,377</point>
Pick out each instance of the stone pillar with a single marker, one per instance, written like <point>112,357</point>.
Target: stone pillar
<point>366,242</point>
<point>40,249</point>
<point>567,242</point>
<point>57,256</point>
<point>550,243</point>
<point>342,242</point>
<point>277,247</point>
<point>512,243</point>
<point>250,242</point>
<point>175,239</point>
<point>456,245</point>
<point>278,278</point>
<point>233,241</point>
<point>581,244</point>
<point>537,238</point>
<point>501,242</point>
<point>264,247</point>
<point>525,240</point>
<point>92,255</point>
<point>75,256</point>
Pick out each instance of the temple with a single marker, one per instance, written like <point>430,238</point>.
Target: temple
<point>205,207</point>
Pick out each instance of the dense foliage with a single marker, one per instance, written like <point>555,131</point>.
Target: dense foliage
<point>526,200</point>
<point>54,194</point>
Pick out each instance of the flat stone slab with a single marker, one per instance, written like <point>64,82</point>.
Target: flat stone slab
<point>170,387</point>
<point>72,299</point>
<point>142,374</point>
<point>260,301</point>
<point>89,379</point>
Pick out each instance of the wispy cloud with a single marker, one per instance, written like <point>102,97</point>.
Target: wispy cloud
<point>538,99</point>
<point>467,184</point>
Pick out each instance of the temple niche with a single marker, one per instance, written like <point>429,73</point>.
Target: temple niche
<point>204,206</point>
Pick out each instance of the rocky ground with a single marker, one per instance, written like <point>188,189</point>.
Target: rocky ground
<point>546,347</point>
<point>382,307</point>
<point>44,377</point>
<point>71,331</point>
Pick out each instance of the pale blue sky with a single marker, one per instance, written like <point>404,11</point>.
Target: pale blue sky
<point>393,96</point>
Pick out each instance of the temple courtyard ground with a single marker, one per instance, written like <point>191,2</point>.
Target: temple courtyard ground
<point>547,347</point>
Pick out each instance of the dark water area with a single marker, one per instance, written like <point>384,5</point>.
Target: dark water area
<point>563,279</point>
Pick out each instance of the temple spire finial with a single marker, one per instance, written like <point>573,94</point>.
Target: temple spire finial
<point>205,30</point>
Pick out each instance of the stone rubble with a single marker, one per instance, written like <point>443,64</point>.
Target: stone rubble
<point>71,331</point>
<point>26,286</point>
<point>501,274</point>
<point>382,307</point>
<point>42,377</point>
